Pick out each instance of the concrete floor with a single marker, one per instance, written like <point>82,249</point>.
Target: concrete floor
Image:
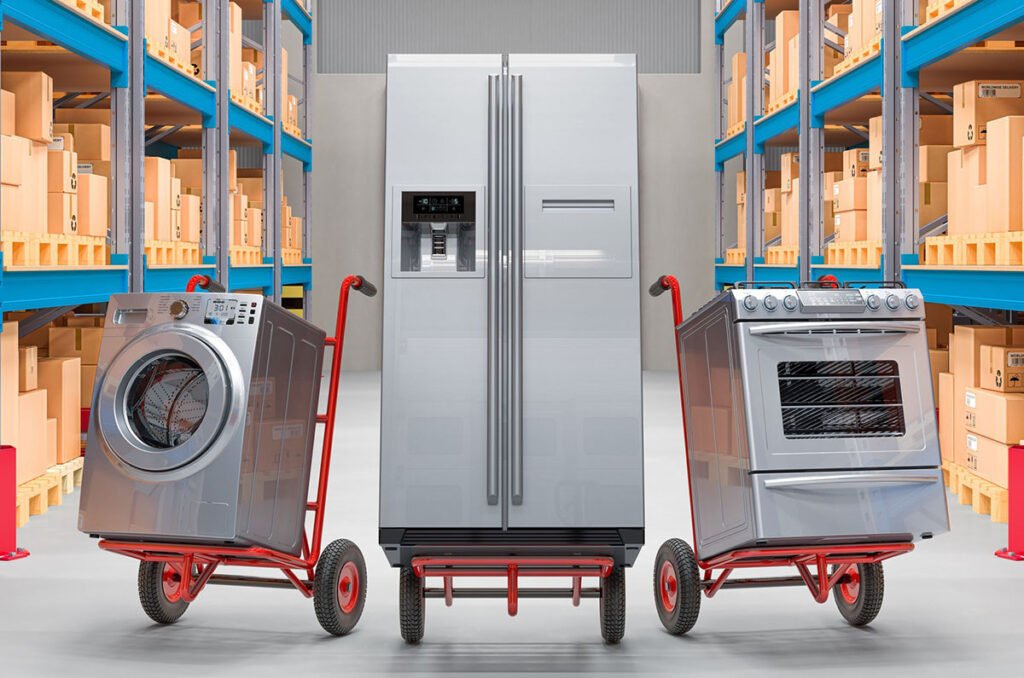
<point>951,608</point>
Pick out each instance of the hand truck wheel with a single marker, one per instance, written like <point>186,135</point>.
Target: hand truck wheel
<point>339,587</point>
<point>613,605</point>
<point>677,586</point>
<point>859,597</point>
<point>160,592</point>
<point>411,605</point>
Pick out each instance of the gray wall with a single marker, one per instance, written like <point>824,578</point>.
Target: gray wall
<point>677,114</point>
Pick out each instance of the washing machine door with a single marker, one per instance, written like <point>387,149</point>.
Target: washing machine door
<point>166,397</point>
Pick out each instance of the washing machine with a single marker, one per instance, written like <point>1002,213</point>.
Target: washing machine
<point>202,422</point>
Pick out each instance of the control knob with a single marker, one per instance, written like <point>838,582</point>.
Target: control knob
<point>771,303</point>
<point>750,302</point>
<point>912,301</point>
<point>789,302</point>
<point>874,303</point>
<point>892,301</point>
<point>179,309</point>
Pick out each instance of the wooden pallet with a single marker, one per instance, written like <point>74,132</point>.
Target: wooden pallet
<point>53,249</point>
<point>291,256</point>
<point>89,8</point>
<point>160,252</point>
<point>188,253</point>
<point>859,57</point>
<point>950,475</point>
<point>939,8</point>
<point>35,497</point>
<point>859,253</point>
<point>247,103</point>
<point>781,255</point>
<point>980,249</point>
<point>244,255</point>
<point>736,255</point>
<point>985,498</point>
<point>168,57</point>
<point>782,102</point>
<point>734,130</point>
<point>69,473</point>
<point>295,130</point>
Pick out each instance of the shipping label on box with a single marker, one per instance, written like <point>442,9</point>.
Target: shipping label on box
<point>976,103</point>
<point>1002,369</point>
<point>998,416</point>
<point>988,459</point>
<point>855,162</point>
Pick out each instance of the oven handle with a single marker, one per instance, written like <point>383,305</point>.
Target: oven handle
<point>850,479</point>
<point>802,329</point>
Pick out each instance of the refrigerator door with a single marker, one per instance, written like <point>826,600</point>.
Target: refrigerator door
<point>437,468</point>
<point>577,460</point>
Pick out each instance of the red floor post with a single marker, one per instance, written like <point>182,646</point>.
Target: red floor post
<point>8,498</point>
<point>1015,546</point>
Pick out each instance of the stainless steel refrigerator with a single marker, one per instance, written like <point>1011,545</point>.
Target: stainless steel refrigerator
<point>511,386</point>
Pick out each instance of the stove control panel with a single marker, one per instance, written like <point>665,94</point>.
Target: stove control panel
<point>796,304</point>
<point>831,301</point>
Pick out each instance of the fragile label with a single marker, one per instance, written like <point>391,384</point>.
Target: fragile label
<point>992,90</point>
<point>972,442</point>
<point>970,400</point>
<point>1015,359</point>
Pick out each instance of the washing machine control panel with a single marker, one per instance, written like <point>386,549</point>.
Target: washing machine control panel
<point>229,311</point>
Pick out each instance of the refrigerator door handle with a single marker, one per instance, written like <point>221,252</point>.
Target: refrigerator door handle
<point>850,479</point>
<point>493,258</point>
<point>516,366</point>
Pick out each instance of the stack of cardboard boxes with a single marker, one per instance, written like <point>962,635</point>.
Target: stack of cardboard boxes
<point>166,38</point>
<point>783,61</point>
<point>981,401</point>
<point>27,133</point>
<point>790,195</point>
<point>864,26</point>
<point>850,198</point>
<point>736,94</point>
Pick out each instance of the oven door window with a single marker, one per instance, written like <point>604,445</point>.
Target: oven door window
<point>841,399</point>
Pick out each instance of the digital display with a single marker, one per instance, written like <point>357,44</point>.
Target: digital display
<point>438,204</point>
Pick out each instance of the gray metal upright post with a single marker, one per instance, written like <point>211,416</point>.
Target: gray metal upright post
<point>217,225</point>
<point>754,33</point>
<point>307,178</point>
<point>811,139</point>
<point>720,130</point>
<point>121,204</point>
<point>128,169</point>
<point>892,208</point>
<point>908,153</point>
<point>272,188</point>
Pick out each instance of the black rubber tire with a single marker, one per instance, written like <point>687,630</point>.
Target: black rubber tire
<point>411,605</point>
<point>151,595</point>
<point>683,616</point>
<point>869,599</point>
<point>326,581</point>
<point>613,606</point>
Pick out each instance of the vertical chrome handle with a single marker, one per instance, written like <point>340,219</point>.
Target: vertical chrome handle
<point>516,228</point>
<point>493,256</point>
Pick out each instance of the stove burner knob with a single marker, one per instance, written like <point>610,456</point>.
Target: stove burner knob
<point>892,301</point>
<point>750,302</point>
<point>874,303</point>
<point>179,309</point>
<point>789,302</point>
<point>771,303</point>
<point>912,301</point>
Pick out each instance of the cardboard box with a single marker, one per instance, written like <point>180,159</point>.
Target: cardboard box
<point>239,232</point>
<point>235,48</point>
<point>33,104</point>
<point>82,116</point>
<point>741,187</point>
<point>969,340</point>
<point>986,458</point>
<point>933,338</point>
<point>179,42</point>
<point>790,229</point>
<point>62,213</point>
<point>93,205</point>
<point>189,172</point>
<point>939,359</point>
<point>249,80</point>
<point>148,221</point>
<point>772,200</point>
<point>157,172</point>
<point>32,458</point>
<point>850,194</point>
<point>62,379</point>
<point>175,192</point>
<point>238,206</point>
<point>947,418</point>
<point>158,14</point>
<point>256,227</point>
<point>1003,174</point>
<point>792,64</point>
<point>1002,369</point>
<point>940,318</point>
<point>88,385</point>
<point>978,102</point>
<point>851,226</point>
<point>874,205</point>
<point>7,117</point>
<point>14,152</point>
<point>61,172</point>
<point>283,75</point>
<point>933,202</point>
<point>92,140</point>
<point>875,143</point>
<point>32,192</point>
<point>856,161</point>
<point>296,233</point>
<point>934,164</point>
<point>9,383</point>
<point>175,225</point>
<point>28,368</point>
<point>935,130</point>
<point>197,154</point>
<point>76,342</point>
<point>51,442</point>
<point>191,218</point>
<point>790,170</point>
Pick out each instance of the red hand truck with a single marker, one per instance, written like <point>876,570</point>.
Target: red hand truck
<point>852,573</point>
<point>171,576</point>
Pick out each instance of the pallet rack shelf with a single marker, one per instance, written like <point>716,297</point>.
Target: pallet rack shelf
<point>88,55</point>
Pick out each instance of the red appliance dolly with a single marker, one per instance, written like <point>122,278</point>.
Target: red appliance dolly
<point>172,575</point>
<point>851,572</point>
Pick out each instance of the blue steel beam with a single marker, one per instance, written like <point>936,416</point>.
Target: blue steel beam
<point>300,149</point>
<point>252,278</point>
<point>730,148</point>
<point>735,10</point>
<point>258,127</point>
<point>781,121</point>
<point>23,290</point>
<point>962,28</point>
<point>298,275</point>
<point>980,287</point>
<point>302,19</point>
<point>167,80</point>
<point>844,88</point>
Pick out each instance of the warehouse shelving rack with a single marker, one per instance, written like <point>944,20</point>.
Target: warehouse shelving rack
<point>910,55</point>
<point>118,53</point>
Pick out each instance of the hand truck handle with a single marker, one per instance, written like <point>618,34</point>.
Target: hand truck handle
<point>204,282</point>
<point>364,286</point>
<point>666,283</point>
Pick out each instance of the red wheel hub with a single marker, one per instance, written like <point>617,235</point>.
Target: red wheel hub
<point>668,586</point>
<point>348,587</point>
<point>850,589</point>
<point>171,580</point>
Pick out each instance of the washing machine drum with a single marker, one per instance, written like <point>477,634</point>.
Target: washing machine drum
<point>164,401</point>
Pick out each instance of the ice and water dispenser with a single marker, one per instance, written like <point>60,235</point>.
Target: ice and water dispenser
<point>439,232</point>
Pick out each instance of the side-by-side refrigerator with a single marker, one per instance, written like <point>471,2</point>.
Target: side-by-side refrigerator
<point>511,388</point>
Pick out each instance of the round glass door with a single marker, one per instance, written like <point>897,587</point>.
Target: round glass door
<point>167,400</point>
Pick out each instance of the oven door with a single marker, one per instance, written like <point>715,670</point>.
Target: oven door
<point>838,395</point>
